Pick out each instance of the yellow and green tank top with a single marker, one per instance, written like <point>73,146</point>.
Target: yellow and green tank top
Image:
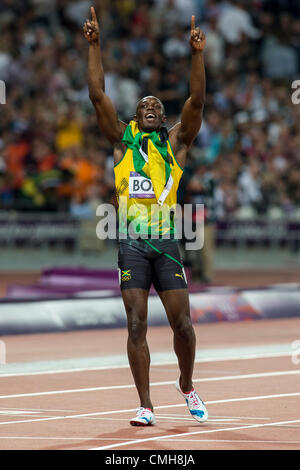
<point>146,180</point>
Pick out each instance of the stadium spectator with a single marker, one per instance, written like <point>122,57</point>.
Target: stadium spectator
<point>235,22</point>
<point>52,156</point>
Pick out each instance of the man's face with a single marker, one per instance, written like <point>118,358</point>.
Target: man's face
<point>150,114</point>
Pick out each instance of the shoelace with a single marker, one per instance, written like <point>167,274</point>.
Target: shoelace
<point>194,400</point>
<point>142,412</point>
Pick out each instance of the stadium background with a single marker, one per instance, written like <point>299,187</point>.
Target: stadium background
<point>56,167</point>
<point>68,385</point>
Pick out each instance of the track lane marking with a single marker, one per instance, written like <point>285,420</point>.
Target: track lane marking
<point>168,440</point>
<point>233,441</point>
<point>155,384</point>
<point>68,438</point>
<point>102,413</point>
<point>205,431</point>
<point>157,359</point>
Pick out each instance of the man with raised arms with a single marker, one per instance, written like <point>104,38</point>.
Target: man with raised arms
<point>149,162</point>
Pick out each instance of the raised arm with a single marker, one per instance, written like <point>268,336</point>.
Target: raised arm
<point>191,117</point>
<point>107,117</point>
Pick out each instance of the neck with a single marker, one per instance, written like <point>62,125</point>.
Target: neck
<point>150,129</point>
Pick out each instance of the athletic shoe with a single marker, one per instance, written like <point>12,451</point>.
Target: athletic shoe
<point>144,417</point>
<point>195,404</point>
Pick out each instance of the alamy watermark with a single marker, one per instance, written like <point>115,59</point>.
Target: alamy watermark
<point>296,93</point>
<point>151,222</point>
<point>2,92</point>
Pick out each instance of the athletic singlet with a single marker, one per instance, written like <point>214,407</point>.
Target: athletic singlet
<point>138,206</point>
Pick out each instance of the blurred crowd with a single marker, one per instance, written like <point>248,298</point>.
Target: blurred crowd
<point>246,158</point>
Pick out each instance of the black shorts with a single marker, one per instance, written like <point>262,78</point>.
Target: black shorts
<point>145,262</point>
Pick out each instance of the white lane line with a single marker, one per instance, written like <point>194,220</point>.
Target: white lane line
<point>219,417</point>
<point>172,419</point>
<point>206,431</point>
<point>189,418</point>
<point>199,441</point>
<point>130,410</point>
<point>239,441</point>
<point>67,438</point>
<point>155,384</point>
<point>19,412</point>
<point>157,359</point>
<point>37,410</point>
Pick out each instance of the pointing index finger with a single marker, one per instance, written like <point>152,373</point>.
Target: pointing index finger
<point>193,22</point>
<point>94,17</point>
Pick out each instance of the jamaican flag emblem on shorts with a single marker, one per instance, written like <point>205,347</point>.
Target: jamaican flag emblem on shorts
<point>126,275</point>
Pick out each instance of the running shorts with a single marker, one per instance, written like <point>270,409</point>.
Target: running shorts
<point>144,262</point>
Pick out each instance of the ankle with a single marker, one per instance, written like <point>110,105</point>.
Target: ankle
<point>147,407</point>
<point>186,388</point>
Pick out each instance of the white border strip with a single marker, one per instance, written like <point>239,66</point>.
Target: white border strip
<point>157,359</point>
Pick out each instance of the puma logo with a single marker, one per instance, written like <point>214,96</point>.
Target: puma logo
<point>179,275</point>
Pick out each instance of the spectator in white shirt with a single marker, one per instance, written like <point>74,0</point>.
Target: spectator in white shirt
<point>235,21</point>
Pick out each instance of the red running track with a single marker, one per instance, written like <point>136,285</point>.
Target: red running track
<point>253,402</point>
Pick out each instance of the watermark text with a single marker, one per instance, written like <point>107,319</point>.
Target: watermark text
<point>2,92</point>
<point>152,221</point>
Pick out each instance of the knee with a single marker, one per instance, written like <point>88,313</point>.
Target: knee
<point>183,328</point>
<point>137,329</point>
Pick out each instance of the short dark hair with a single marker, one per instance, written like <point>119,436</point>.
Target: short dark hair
<point>151,96</point>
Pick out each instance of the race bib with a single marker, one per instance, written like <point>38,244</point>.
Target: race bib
<point>140,187</point>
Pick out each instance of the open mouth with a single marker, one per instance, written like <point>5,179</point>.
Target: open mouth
<point>150,116</point>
